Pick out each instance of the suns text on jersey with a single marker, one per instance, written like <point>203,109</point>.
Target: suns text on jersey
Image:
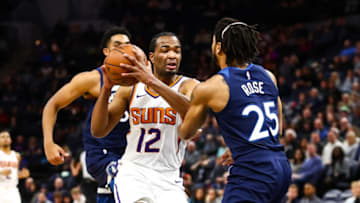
<point>253,87</point>
<point>11,164</point>
<point>153,115</point>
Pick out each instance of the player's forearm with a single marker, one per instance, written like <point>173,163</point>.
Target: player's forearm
<point>193,120</point>
<point>175,99</point>
<point>48,121</point>
<point>187,131</point>
<point>100,114</point>
<point>4,172</point>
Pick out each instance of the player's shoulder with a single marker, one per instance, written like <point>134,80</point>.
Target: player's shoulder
<point>88,78</point>
<point>17,154</point>
<point>272,76</point>
<point>210,87</point>
<point>214,82</point>
<point>188,83</point>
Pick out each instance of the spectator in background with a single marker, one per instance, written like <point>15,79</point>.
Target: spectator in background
<point>292,195</point>
<point>338,172</point>
<point>315,138</point>
<point>210,146</point>
<point>311,169</point>
<point>290,142</point>
<point>29,190</point>
<point>58,197</point>
<point>217,171</point>
<point>344,127</point>
<point>211,196</point>
<point>58,188</point>
<point>310,194</point>
<point>201,170</point>
<point>199,196</point>
<point>41,198</point>
<point>192,155</point>
<point>67,198</point>
<point>355,190</point>
<point>77,196</point>
<point>304,124</point>
<point>350,145</point>
<point>298,161</point>
<point>332,142</point>
<point>314,100</point>
<point>319,127</point>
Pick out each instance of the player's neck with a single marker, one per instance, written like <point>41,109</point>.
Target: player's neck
<point>168,79</point>
<point>6,150</point>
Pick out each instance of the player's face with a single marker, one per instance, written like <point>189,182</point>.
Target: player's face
<point>5,139</point>
<point>167,55</point>
<point>116,40</point>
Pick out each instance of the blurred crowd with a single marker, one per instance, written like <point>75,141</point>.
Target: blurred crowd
<point>317,64</point>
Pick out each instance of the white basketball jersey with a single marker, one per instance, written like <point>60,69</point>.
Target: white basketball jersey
<point>9,161</point>
<point>153,141</point>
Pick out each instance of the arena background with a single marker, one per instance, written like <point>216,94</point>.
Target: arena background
<point>313,48</point>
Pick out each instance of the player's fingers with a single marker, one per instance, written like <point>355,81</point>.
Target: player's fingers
<point>127,66</point>
<point>132,59</point>
<point>103,68</point>
<point>128,74</point>
<point>63,153</point>
<point>138,57</point>
<point>56,160</point>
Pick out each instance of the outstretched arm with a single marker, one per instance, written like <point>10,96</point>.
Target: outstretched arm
<point>179,101</point>
<point>79,85</point>
<point>196,114</point>
<point>104,116</point>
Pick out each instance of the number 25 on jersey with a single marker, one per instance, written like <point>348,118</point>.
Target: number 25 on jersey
<point>256,133</point>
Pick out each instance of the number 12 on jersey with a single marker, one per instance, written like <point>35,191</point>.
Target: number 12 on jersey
<point>256,133</point>
<point>152,131</point>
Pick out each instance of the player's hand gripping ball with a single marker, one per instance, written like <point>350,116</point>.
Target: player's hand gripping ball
<point>115,57</point>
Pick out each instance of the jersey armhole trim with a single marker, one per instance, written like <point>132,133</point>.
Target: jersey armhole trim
<point>132,95</point>
<point>273,83</point>
<point>101,77</point>
<point>154,95</point>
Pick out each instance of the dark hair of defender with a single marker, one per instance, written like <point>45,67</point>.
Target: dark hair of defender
<point>239,42</point>
<point>161,34</point>
<point>113,31</point>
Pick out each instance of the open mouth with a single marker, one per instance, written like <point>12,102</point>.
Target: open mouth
<point>171,66</point>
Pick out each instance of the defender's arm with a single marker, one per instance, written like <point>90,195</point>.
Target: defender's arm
<point>196,114</point>
<point>79,85</point>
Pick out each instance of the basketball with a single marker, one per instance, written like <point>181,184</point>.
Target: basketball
<point>115,57</point>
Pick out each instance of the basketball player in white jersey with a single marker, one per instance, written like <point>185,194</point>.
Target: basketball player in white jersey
<point>9,171</point>
<point>149,169</point>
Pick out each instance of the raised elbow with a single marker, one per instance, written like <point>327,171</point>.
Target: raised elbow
<point>184,135</point>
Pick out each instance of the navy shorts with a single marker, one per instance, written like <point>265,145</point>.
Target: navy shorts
<point>98,159</point>
<point>258,181</point>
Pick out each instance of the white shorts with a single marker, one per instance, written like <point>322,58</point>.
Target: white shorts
<point>9,195</point>
<point>134,183</point>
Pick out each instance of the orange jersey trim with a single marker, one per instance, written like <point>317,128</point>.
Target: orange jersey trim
<point>132,94</point>
<point>157,95</point>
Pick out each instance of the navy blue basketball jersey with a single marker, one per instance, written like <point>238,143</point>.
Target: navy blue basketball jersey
<point>116,138</point>
<point>249,122</point>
